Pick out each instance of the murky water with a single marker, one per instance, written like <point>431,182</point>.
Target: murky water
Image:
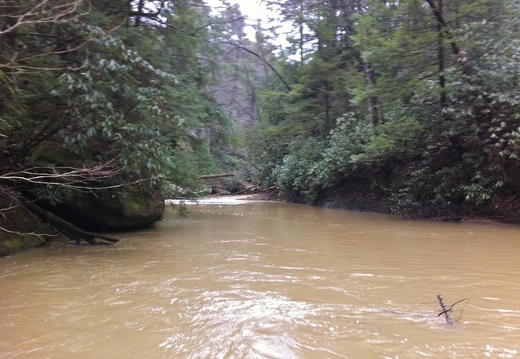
<point>269,280</point>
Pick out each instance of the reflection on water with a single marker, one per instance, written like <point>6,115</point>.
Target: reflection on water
<point>268,280</point>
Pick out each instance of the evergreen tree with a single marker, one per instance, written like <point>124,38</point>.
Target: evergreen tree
<point>431,86</point>
<point>86,84</point>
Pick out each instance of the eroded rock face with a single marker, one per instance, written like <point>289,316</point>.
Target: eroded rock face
<point>114,210</point>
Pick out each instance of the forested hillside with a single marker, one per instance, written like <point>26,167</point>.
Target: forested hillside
<point>106,99</point>
<point>411,105</point>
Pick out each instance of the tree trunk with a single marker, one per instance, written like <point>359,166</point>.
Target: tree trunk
<point>70,230</point>
<point>372,101</point>
<point>441,65</point>
<point>140,7</point>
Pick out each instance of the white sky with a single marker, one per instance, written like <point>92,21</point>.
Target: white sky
<point>253,9</point>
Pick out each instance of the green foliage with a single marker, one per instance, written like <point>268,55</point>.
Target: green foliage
<point>435,95</point>
<point>400,139</point>
<point>346,143</point>
<point>300,173</point>
<point>134,95</point>
<point>14,245</point>
<point>445,179</point>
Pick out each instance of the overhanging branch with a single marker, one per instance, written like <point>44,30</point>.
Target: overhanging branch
<point>241,47</point>
<point>81,179</point>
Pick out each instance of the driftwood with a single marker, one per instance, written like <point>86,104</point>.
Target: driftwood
<point>70,230</point>
<point>216,191</point>
<point>219,175</point>
<point>246,189</point>
<point>446,310</point>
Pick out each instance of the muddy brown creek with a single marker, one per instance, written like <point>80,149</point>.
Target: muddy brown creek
<point>268,280</point>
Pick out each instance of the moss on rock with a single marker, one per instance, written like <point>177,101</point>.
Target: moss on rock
<point>22,242</point>
<point>116,209</point>
<point>22,229</point>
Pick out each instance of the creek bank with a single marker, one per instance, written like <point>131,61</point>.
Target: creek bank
<point>21,229</point>
<point>369,202</point>
<point>498,210</point>
<point>82,213</point>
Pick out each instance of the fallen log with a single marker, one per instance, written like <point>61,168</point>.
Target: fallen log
<point>219,175</point>
<point>246,190</point>
<point>70,230</point>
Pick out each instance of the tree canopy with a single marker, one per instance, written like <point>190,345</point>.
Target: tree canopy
<point>113,90</point>
<point>417,97</point>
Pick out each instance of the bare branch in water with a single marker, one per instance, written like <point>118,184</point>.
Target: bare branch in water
<point>446,310</point>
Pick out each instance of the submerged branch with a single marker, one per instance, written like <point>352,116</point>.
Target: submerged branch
<point>446,310</point>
